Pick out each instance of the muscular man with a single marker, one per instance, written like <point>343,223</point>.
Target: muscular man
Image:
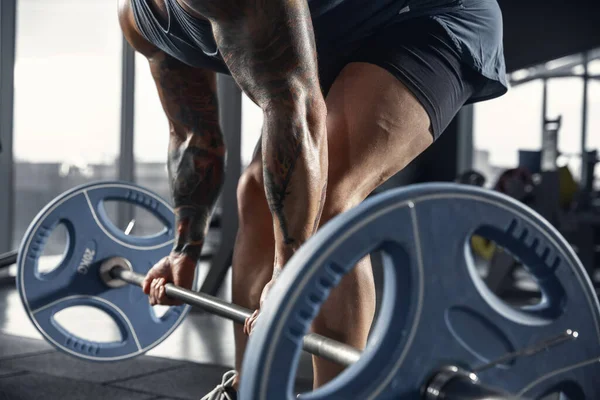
<point>351,91</point>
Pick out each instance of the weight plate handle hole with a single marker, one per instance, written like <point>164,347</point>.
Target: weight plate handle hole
<point>513,268</point>
<point>143,224</point>
<point>87,324</point>
<point>53,247</point>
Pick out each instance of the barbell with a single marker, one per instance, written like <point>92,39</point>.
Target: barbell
<point>117,270</point>
<point>441,333</point>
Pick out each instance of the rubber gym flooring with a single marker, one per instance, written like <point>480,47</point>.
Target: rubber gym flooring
<point>185,366</point>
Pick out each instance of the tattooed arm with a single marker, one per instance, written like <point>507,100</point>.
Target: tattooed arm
<point>295,176</point>
<point>270,50</point>
<point>196,163</point>
<point>196,148</point>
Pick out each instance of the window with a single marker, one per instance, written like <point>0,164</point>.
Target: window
<point>514,122</point>
<point>252,120</point>
<point>593,136</point>
<point>67,100</point>
<point>505,125</point>
<point>565,99</point>
<point>151,132</point>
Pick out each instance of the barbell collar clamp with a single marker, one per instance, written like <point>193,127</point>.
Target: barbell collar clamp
<point>108,268</point>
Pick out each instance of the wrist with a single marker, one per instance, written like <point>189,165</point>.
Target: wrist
<point>189,252</point>
<point>282,256</point>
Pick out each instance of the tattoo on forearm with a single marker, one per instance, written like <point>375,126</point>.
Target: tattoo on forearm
<point>196,149</point>
<point>279,167</point>
<point>277,181</point>
<point>196,177</point>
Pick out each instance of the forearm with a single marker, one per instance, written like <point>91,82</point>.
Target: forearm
<point>196,159</point>
<point>295,174</point>
<point>196,176</point>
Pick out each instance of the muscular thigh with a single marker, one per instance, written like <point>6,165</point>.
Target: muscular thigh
<point>376,127</point>
<point>399,92</point>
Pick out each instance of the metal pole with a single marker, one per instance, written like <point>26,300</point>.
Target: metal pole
<point>8,259</point>
<point>126,155</point>
<point>230,110</point>
<point>466,117</point>
<point>544,107</point>
<point>8,12</point>
<point>318,345</point>
<point>584,120</point>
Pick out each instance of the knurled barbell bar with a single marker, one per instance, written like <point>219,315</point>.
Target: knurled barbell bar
<point>117,270</point>
<point>440,333</point>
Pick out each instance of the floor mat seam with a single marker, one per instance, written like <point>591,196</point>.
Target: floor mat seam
<point>12,374</point>
<point>157,371</point>
<point>27,355</point>
<point>157,396</point>
<point>99,384</point>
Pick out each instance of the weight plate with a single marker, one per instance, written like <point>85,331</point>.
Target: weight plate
<point>93,238</point>
<point>436,310</point>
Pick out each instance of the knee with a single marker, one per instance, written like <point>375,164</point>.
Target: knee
<point>251,198</point>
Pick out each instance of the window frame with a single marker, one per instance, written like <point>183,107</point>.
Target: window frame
<point>8,12</point>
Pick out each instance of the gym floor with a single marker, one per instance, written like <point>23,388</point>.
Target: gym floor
<point>186,365</point>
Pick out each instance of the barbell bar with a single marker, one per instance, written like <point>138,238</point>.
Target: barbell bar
<point>313,343</point>
<point>8,259</point>
<point>449,383</point>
